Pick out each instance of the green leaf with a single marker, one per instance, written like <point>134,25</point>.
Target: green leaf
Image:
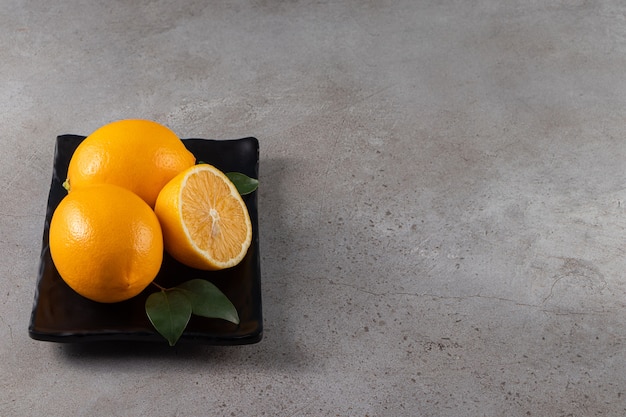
<point>208,301</point>
<point>243,183</point>
<point>169,312</point>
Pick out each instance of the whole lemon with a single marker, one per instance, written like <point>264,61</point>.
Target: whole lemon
<point>140,155</point>
<point>106,243</point>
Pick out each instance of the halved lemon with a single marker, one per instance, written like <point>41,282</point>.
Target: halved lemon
<point>205,222</point>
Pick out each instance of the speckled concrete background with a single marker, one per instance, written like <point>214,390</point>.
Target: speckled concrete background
<point>442,201</point>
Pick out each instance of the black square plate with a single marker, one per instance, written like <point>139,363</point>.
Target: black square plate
<point>61,315</point>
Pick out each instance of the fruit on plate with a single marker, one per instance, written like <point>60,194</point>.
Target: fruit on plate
<point>205,221</point>
<point>106,242</point>
<point>140,155</point>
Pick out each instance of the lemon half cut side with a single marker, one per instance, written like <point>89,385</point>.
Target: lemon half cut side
<point>205,222</point>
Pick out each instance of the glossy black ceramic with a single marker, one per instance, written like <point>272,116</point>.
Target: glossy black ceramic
<point>61,315</point>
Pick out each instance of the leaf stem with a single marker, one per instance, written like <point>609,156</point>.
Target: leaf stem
<point>158,286</point>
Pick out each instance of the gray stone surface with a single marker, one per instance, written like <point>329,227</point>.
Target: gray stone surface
<point>442,201</point>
